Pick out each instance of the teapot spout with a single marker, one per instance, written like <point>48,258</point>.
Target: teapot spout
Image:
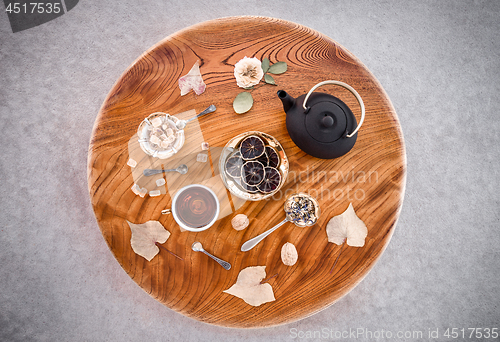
<point>288,101</point>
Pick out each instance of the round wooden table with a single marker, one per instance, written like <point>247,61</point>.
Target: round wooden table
<point>371,176</point>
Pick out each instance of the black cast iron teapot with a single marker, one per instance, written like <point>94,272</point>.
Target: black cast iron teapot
<point>321,124</point>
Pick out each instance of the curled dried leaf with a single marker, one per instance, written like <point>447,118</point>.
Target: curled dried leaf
<point>192,80</point>
<point>145,236</point>
<point>347,226</point>
<point>249,288</point>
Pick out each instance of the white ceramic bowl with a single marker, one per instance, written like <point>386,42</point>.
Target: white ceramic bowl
<point>179,220</point>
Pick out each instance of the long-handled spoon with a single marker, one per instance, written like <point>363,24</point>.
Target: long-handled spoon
<point>301,209</point>
<point>182,169</point>
<point>198,247</point>
<point>254,241</point>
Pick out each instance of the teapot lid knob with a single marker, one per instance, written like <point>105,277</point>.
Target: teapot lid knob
<point>327,121</point>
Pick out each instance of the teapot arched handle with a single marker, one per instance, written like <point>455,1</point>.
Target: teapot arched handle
<point>348,87</point>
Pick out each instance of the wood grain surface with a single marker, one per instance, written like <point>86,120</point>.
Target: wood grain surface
<point>371,176</point>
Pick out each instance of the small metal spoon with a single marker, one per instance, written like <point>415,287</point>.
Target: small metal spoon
<point>182,169</point>
<point>198,247</point>
<point>182,123</point>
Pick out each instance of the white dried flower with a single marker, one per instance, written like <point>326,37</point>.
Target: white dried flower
<point>248,72</point>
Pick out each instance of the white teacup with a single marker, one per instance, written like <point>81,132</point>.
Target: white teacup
<point>195,207</point>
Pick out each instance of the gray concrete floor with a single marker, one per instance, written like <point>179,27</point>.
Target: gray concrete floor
<point>439,62</point>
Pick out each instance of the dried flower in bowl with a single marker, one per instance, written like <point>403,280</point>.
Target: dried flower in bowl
<point>302,209</point>
<point>248,72</point>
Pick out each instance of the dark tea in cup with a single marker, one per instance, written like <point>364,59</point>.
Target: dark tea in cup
<point>195,207</point>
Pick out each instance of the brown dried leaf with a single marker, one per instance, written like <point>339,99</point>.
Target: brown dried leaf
<point>145,236</point>
<point>347,226</point>
<point>249,288</point>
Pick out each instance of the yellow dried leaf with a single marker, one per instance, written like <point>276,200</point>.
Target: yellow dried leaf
<point>145,236</point>
<point>249,288</point>
<point>347,226</point>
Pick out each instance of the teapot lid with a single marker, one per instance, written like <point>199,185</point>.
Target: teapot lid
<point>328,118</point>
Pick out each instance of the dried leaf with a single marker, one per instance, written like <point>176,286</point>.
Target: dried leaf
<point>192,80</point>
<point>243,102</point>
<point>265,65</point>
<point>269,79</point>
<point>278,68</point>
<point>347,226</point>
<point>145,236</point>
<point>249,288</point>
